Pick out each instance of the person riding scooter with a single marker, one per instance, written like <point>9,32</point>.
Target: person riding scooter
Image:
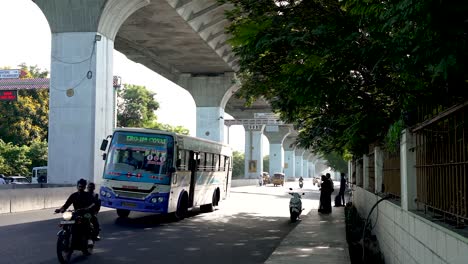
<point>80,199</point>
<point>301,182</point>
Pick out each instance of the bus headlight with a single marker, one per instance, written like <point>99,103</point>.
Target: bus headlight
<point>160,199</point>
<point>103,193</point>
<point>154,200</point>
<point>108,195</point>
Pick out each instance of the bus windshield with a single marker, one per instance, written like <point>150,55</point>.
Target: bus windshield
<point>140,157</point>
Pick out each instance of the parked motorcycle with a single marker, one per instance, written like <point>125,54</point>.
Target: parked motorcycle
<point>295,206</point>
<point>75,234</point>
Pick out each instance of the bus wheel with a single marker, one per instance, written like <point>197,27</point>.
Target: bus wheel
<point>123,213</point>
<point>182,208</point>
<point>208,208</point>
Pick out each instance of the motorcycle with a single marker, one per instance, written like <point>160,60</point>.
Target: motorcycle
<point>295,206</point>
<point>301,183</point>
<point>75,234</point>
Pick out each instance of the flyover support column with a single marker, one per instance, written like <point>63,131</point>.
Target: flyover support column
<point>312,160</point>
<point>211,94</point>
<point>81,91</point>
<point>305,164</point>
<point>298,152</point>
<point>289,157</point>
<point>253,151</point>
<point>276,134</point>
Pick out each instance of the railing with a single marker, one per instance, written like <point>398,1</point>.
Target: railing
<point>391,174</point>
<point>371,170</point>
<point>442,164</point>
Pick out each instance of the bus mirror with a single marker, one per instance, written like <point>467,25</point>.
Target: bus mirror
<point>104,144</point>
<point>104,156</point>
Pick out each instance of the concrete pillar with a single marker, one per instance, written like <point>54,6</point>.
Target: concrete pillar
<point>81,91</point>
<point>312,160</point>
<point>298,152</point>
<point>359,173</point>
<point>276,134</point>
<point>253,151</point>
<point>408,171</point>
<point>365,171</point>
<point>305,164</point>
<point>289,157</point>
<point>379,159</point>
<point>350,171</point>
<point>211,94</point>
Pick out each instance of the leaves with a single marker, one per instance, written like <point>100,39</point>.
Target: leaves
<point>343,72</point>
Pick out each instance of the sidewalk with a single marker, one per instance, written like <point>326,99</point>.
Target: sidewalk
<point>316,239</point>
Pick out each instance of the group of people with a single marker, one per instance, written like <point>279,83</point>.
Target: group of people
<point>326,189</point>
<point>85,200</point>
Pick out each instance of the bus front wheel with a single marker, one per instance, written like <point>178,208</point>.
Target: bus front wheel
<point>123,213</point>
<point>182,208</point>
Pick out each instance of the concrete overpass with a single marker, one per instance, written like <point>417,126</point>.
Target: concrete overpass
<point>183,40</point>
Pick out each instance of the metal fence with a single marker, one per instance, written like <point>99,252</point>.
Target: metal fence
<point>371,170</point>
<point>391,174</point>
<point>442,164</point>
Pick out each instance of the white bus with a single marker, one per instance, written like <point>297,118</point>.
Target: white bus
<point>39,175</point>
<point>162,172</point>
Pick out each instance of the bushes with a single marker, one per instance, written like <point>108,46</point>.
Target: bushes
<point>19,160</point>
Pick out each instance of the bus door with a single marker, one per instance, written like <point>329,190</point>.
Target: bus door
<point>193,176</point>
<point>228,171</point>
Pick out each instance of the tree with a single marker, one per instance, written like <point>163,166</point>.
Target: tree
<point>135,106</point>
<point>14,159</point>
<point>37,153</point>
<point>344,72</point>
<point>266,163</point>
<point>238,164</point>
<point>26,120</point>
<point>336,162</point>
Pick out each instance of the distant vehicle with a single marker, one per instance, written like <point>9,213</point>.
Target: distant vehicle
<point>317,181</point>
<point>266,178</point>
<point>278,179</point>
<point>39,175</point>
<point>18,180</point>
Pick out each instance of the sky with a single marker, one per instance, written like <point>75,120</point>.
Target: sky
<point>26,38</point>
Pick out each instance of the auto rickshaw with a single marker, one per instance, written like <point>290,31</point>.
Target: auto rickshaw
<point>278,179</point>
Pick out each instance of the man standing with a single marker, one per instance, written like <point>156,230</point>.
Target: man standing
<point>2,180</point>
<point>342,189</point>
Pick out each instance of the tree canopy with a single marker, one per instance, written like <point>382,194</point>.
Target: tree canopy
<point>26,120</point>
<point>136,106</point>
<point>347,72</point>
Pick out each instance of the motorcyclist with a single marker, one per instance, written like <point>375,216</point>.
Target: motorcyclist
<point>79,199</point>
<point>301,182</point>
<point>95,210</point>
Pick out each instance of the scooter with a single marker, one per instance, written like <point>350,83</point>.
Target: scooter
<point>295,206</point>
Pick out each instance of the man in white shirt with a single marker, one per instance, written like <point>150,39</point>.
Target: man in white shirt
<point>2,181</point>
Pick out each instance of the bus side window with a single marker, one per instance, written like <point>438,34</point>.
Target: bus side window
<point>216,162</point>
<point>180,163</point>
<point>201,161</point>
<point>221,162</point>
<point>209,162</point>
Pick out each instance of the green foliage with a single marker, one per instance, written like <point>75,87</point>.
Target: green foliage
<point>266,163</point>
<point>38,154</point>
<point>26,120</point>
<point>238,165</point>
<point>14,159</point>
<point>336,162</point>
<point>344,71</point>
<point>166,127</point>
<point>135,106</point>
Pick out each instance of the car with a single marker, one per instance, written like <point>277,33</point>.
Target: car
<point>17,180</point>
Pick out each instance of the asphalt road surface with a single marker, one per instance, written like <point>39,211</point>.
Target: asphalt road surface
<point>246,228</point>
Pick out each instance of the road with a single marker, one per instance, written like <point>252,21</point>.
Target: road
<point>246,228</point>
